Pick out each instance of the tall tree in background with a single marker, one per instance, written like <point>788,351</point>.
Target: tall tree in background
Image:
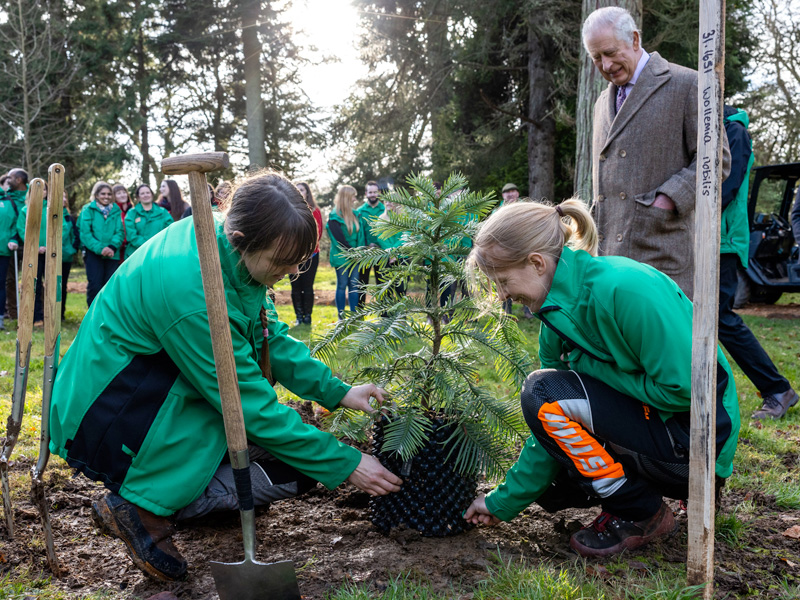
<point>590,85</point>
<point>550,42</point>
<point>251,44</point>
<point>36,76</point>
<point>390,121</point>
<point>773,104</point>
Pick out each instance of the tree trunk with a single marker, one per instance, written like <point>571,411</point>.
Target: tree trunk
<point>26,122</point>
<point>542,123</point>
<point>141,75</point>
<point>590,85</point>
<point>438,85</point>
<point>252,86</point>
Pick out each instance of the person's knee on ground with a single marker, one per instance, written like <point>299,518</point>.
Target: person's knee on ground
<point>556,407</point>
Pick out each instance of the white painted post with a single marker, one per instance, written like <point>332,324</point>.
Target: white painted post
<point>700,560</point>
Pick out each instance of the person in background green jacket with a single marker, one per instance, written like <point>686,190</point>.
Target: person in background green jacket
<point>38,301</point>
<point>16,186</point>
<point>102,234</point>
<point>70,242</point>
<point>8,243</point>
<point>144,220</point>
<point>369,211</point>
<point>394,241</point>
<point>734,334</point>
<point>346,231</point>
<point>609,410</point>
<point>148,422</point>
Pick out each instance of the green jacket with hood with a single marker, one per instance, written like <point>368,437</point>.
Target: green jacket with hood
<point>8,224</point>
<point>368,214</point>
<point>354,238</point>
<point>735,231</point>
<point>98,231</point>
<point>68,238</point>
<point>141,225</point>
<point>22,221</point>
<point>147,421</point>
<point>629,326</point>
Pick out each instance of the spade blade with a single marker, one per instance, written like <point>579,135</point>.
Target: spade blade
<point>251,580</point>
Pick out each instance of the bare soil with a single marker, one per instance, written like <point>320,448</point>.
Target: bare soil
<point>328,536</point>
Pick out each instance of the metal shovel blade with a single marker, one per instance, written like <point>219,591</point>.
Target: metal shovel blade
<point>252,580</point>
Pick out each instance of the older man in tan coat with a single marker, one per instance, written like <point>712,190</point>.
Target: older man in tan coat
<point>644,149</point>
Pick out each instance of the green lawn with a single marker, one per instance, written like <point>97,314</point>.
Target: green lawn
<point>755,469</point>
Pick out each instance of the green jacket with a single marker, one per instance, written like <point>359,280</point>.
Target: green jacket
<point>148,422</point>
<point>368,214</point>
<point>98,231</point>
<point>354,239</point>
<point>18,196</point>
<point>735,231</point>
<point>21,223</point>
<point>69,235</point>
<point>390,242</point>
<point>141,225</point>
<point>629,326</point>
<point>8,224</point>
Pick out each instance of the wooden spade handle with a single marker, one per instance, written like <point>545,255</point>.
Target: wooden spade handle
<point>195,163</point>
<point>30,258</point>
<point>52,264</point>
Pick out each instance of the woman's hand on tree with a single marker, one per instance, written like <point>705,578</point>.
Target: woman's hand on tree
<point>372,477</point>
<point>477,513</point>
<point>359,395</point>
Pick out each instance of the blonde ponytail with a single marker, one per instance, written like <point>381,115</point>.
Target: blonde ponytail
<point>516,230</point>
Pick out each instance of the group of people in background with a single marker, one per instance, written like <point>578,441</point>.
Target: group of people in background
<point>110,228</point>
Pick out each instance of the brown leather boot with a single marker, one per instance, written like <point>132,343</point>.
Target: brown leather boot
<point>776,405</point>
<point>148,537</point>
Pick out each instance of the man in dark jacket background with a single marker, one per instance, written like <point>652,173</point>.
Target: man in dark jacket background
<point>778,395</point>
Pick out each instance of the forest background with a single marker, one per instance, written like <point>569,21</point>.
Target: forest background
<point>501,91</point>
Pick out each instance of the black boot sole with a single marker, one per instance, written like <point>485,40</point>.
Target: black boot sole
<point>105,521</point>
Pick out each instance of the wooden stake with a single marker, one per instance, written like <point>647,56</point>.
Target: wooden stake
<point>700,561</point>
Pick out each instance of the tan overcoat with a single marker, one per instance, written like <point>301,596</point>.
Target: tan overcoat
<point>650,147</point>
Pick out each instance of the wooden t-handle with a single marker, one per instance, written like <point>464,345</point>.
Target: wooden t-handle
<point>195,163</point>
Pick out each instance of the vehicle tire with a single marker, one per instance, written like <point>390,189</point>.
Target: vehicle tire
<point>764,295</point>
<point>742,296</point>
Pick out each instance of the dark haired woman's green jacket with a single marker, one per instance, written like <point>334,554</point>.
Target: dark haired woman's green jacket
<point>99,231</point>
<point>136,401</point>
<point>629,326</point>
<point>141,225</point>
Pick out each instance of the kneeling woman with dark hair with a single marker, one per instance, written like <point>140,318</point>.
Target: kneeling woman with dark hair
<point>148,423</point>
<point>609,409</point>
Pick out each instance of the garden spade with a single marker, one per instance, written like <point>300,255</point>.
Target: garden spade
<point>249,579</point>
<point>30,256</point>
<point>52,338</point>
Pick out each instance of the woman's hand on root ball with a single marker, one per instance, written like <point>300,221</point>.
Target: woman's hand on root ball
<point>372,477</point>
<point>359,396</point>
<point>477,513</point>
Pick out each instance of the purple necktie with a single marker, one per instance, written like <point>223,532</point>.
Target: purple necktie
<point>622,93</point>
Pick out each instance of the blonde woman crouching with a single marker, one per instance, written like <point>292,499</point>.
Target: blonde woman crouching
<point>609,408</point>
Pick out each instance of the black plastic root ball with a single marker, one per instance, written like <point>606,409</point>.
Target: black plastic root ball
<point>433,497</point>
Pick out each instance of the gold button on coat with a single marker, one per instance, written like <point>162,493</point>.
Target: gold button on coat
<point>623,195</point>
<point>619,237</point>
<point>623,154</point>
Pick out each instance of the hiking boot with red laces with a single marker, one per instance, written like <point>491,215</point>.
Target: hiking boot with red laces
<point>776,405</point>
<point>609,535</point>
<point>147,536</point>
